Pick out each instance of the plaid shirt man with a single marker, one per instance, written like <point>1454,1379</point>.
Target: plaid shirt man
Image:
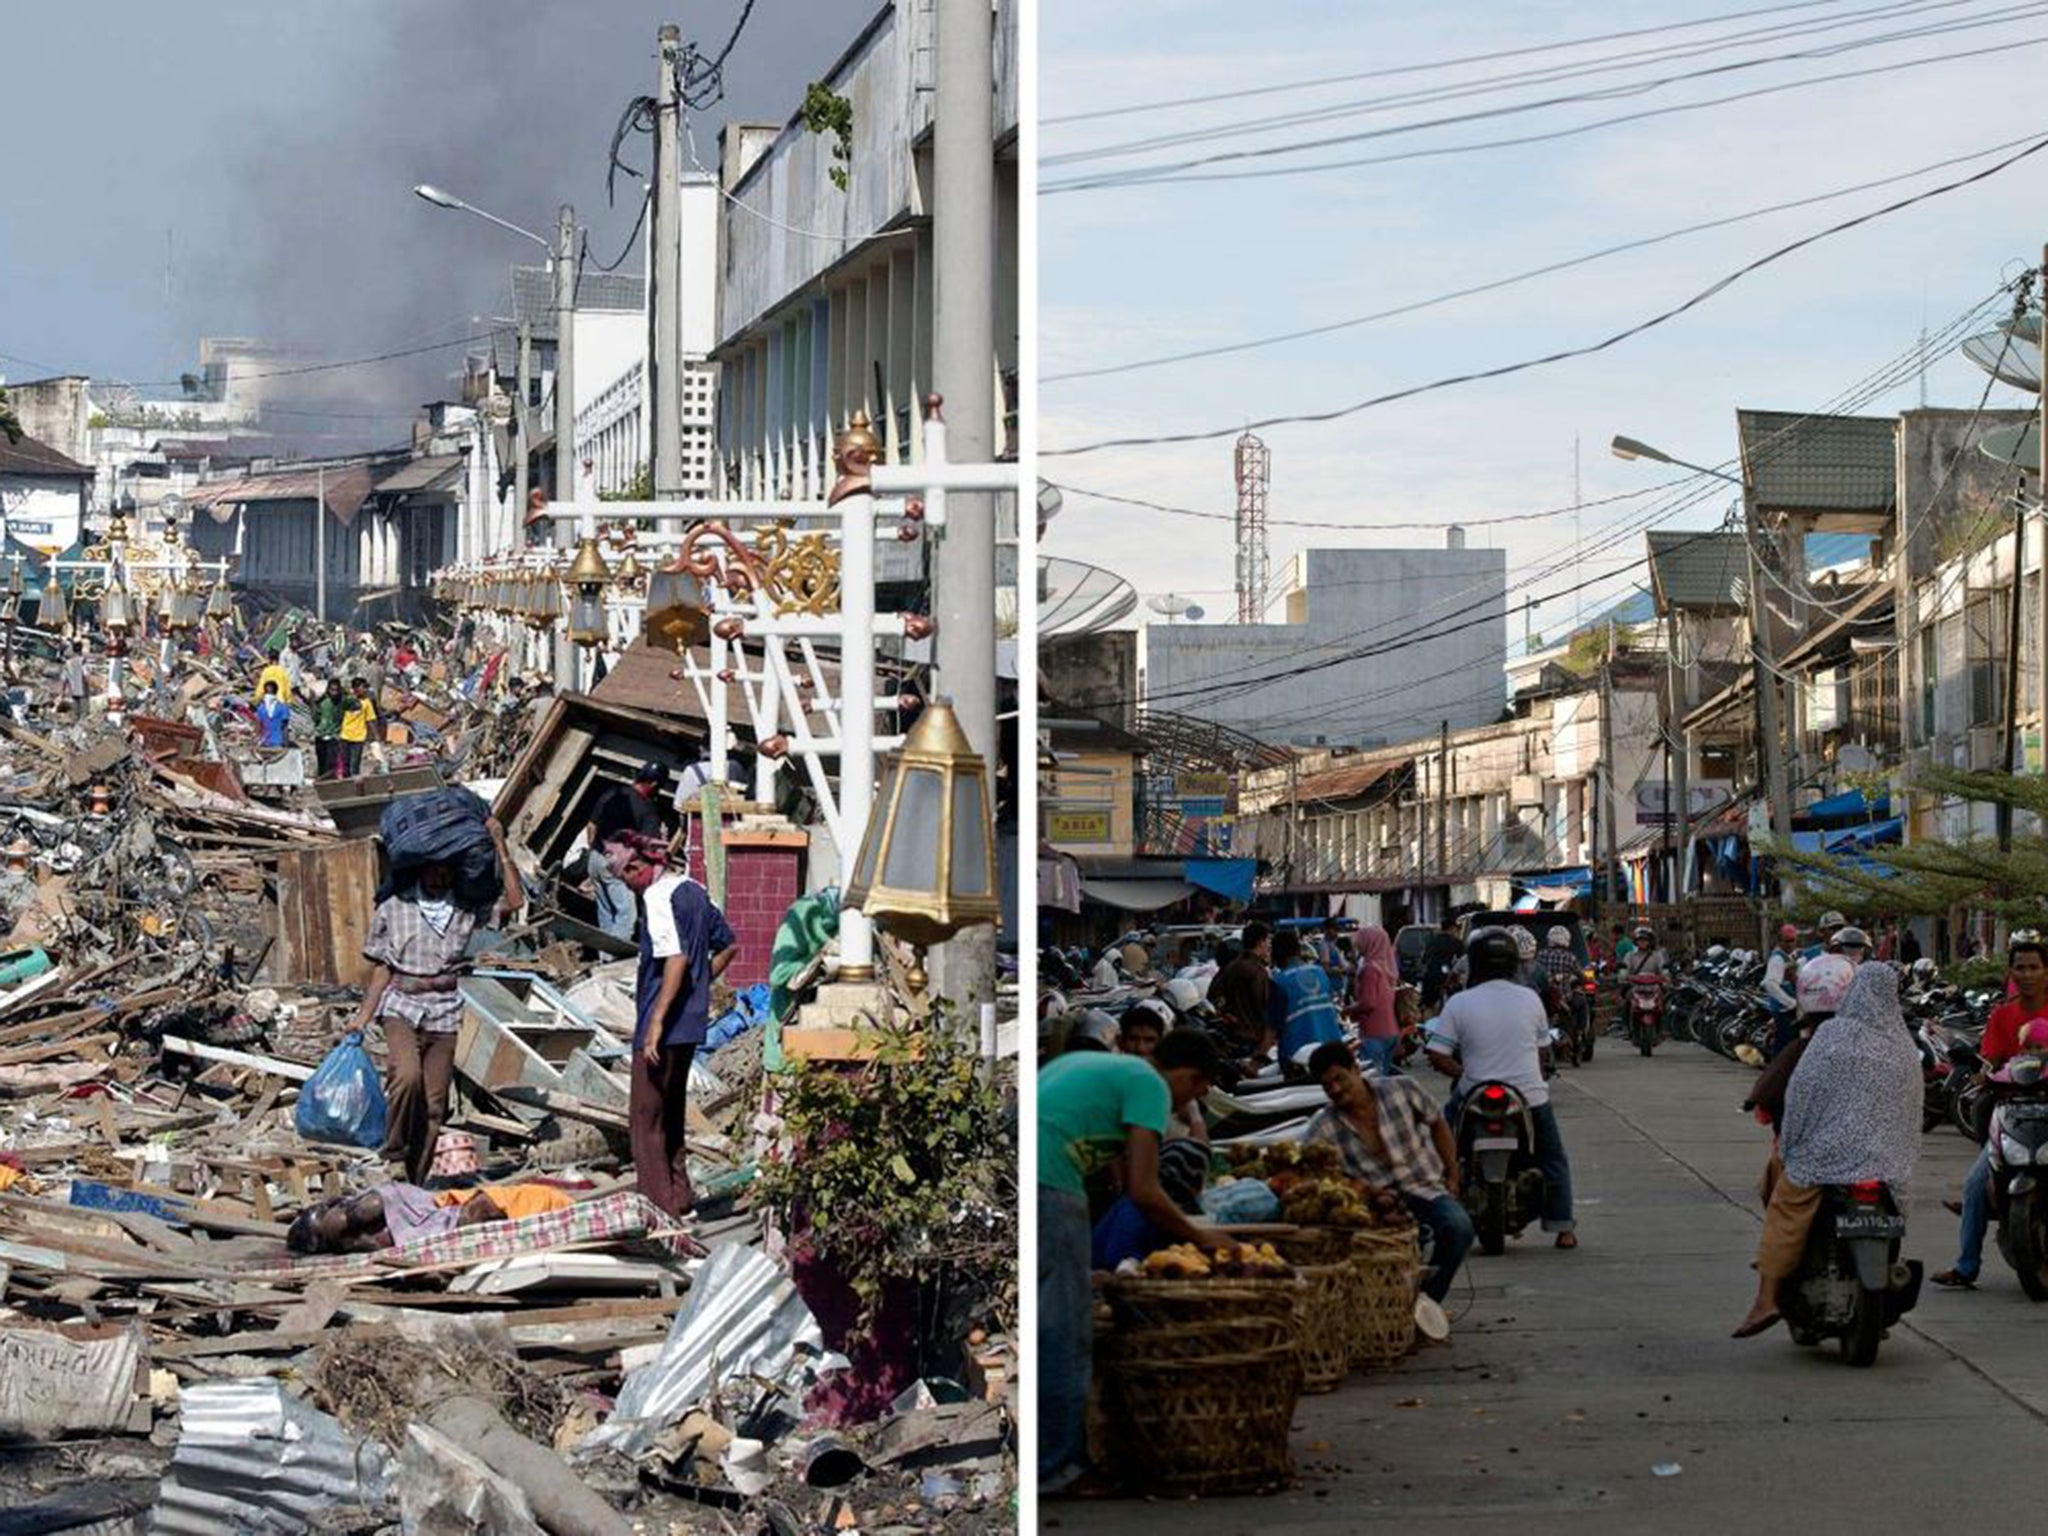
<point>1560,965</point>
<point>402,938</point>
<point>1410,1164</point>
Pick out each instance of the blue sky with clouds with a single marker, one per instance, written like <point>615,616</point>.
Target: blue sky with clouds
<point>1136,271</point>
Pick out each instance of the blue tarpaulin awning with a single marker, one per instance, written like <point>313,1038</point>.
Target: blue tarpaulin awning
<point>1838,810</point>
<point>1229,878</point>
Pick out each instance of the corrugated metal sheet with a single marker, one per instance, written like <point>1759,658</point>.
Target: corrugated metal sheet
<point>743,1318</point>
<point>347,486</point>
<point>1346,783</point>
<point>326,897</point>
<point>255,1460</point>
<point>434,471</point>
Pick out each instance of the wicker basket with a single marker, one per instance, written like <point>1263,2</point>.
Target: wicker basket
<point>1328,1325</point>
<point>1145,1306</point>
<point>1203,1427</point>
<point>1383,1308</point>
<point>1314,1245</point>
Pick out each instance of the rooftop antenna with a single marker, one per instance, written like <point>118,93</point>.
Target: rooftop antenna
<point>1253,466</point>
<point>1578,542</point>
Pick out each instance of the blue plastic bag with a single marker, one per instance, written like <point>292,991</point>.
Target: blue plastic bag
<point>1239,1202</point>
<point>343,1101</point>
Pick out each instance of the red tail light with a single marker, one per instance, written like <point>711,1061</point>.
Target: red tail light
<point>1494,1095</point>
<point>1869,1192</point>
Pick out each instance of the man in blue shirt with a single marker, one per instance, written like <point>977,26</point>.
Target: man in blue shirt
<point>1301,995</point>
<point>685,944</point>
<point>273,717</point>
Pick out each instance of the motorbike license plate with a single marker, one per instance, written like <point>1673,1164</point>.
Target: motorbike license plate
<point>1494,1144</point>
<point>1869,1224</point>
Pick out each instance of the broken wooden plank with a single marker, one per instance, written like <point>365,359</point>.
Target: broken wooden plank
<point>272,1065</point>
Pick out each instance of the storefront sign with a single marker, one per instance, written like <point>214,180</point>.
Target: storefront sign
<point>1077,826</point>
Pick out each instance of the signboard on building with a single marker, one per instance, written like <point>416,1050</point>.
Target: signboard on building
<point>1657,801</point>
<point>1077,826</point>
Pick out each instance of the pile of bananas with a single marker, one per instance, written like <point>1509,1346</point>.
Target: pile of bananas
<point>1240,1261</point>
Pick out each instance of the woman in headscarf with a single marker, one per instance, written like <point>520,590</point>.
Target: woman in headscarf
<point>1852,1113</point>
<point>1372,998</point>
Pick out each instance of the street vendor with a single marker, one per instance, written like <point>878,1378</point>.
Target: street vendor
<point>1392,1136</point>
<point>416,948</point>
<point>685,945</point>
<point>1092,1108</point>
<point>391,1215</point>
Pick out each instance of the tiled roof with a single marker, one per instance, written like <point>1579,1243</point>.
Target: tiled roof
<point>30,457</point>
<point>1697,570</point>
<point>533,295</point>
<point>1345,783</point>
<point>1818,463</point>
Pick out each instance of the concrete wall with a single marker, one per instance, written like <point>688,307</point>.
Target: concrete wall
<point>1357,599</point>
<point>55,412</point>
<point>1092,674</point>
<point>1088,782</point>
<point>1938,450</point>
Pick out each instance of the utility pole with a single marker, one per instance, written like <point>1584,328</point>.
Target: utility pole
<point>565,417</point>
<point>521,444</point>
<point>665,303</point>
<point>963,368</point>
<point>1604,807</point>
<point>2009,737</point>
<point>1443,809</point>
<point>1771,742</point>
<point>2041,490</point>
<point>1681,755</point>
<point>320,544</point>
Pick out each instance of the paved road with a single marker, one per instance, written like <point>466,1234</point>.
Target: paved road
<point>1572,1374</point>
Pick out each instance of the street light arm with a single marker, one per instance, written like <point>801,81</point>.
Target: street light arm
<point>442,199</point>
<point>1629,448</point>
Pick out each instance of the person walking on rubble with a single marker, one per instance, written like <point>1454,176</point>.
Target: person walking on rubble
<point>685,945</point>
<point>326,729</point>
<point>356,716</point>
<point>416,948</point>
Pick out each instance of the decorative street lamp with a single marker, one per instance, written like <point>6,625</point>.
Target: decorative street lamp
<point>52,612</point>
<point>588,576</point>
<point>678,612</point>
<point>926,867</point>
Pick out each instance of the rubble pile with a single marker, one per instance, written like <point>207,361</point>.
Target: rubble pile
<point>184,916</point>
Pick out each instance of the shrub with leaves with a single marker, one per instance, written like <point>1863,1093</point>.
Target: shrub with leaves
<point>826,111</point>
<point>902,1167</point>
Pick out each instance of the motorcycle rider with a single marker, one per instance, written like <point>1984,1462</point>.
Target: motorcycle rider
<point>1777,989</point>
<point>1646,959</point>
<point>1498,1030</point>
<point>1531,973</point>
<point>2027,962</point>
<point>1852,1113</point>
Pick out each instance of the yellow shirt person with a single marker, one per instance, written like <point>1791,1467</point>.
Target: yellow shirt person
<point>275,674</point>
<point>356,717</point>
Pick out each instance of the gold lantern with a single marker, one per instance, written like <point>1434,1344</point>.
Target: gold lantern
<point>114,616</point>
<point>52,612</point>
<point>678,612</point>
<point>588,577</point>
<point>15,585</point>
<point>544,606</point>
<point>220,603</point>
<point>927,861</point>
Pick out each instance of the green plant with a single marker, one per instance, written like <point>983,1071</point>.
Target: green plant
<point>642,488</point>
<point>902,1167</point>
<point>826,111</point>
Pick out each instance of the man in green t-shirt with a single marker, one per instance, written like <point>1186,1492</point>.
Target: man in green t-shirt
<point>1093,1108</point>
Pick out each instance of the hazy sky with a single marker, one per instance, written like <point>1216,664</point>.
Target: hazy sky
<point>1136,272</point>
<point>275,142</point>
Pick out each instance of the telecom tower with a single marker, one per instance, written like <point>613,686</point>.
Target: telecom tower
<point>1254,467</point>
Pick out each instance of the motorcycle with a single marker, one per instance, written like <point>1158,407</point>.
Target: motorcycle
<point>1645,1010</point>
<point>1851,1284</point>
<point>1497,1150</point>
<point>2018,1144</point>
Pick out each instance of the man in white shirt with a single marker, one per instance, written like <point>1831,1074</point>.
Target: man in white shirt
<point>1494,1031</point>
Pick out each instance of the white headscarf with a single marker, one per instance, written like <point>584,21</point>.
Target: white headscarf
<point>1852,1108</point>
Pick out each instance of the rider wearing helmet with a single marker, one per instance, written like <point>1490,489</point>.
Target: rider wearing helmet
<point>1824,980</point>
<point>1558,961</point>
<point>1648,957</point>
<point>1494,1030</point>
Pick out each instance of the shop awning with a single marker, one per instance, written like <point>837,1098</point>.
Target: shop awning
<point>1136,895</point>
<point>1229,878</point>
<point>1846,807</point>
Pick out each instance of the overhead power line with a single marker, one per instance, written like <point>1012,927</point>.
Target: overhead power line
<point>1494,285</point>
<point>1411,69</point>
<point>1567,354</point>
<point>1497,85</point>
<point>1186,171</point>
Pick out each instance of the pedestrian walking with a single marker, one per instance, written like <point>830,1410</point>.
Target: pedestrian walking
<point>685,945</point>
<point>326,729</point>
<point>273,718</point>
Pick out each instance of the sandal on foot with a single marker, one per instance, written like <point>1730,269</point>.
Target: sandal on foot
<point>1567,1239</point>
<point>1763,1324</point>
<point>1955,1280</point>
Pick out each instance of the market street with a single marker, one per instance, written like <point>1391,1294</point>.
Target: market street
<point>1573,1375</point>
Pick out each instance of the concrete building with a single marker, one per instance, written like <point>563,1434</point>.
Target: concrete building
<point>43,495</point>
<point>1383,645</point>
<point>825,296</point>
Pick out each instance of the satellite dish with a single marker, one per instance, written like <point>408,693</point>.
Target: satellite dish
<point>1172,604</point>
<point>1049,501</point>
<point>1195,611</point>
<point>1075,598</point>
<point>2021,445</point>
<point>2008,359</point>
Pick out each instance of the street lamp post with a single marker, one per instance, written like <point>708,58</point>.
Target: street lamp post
<point>1779,791</point>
